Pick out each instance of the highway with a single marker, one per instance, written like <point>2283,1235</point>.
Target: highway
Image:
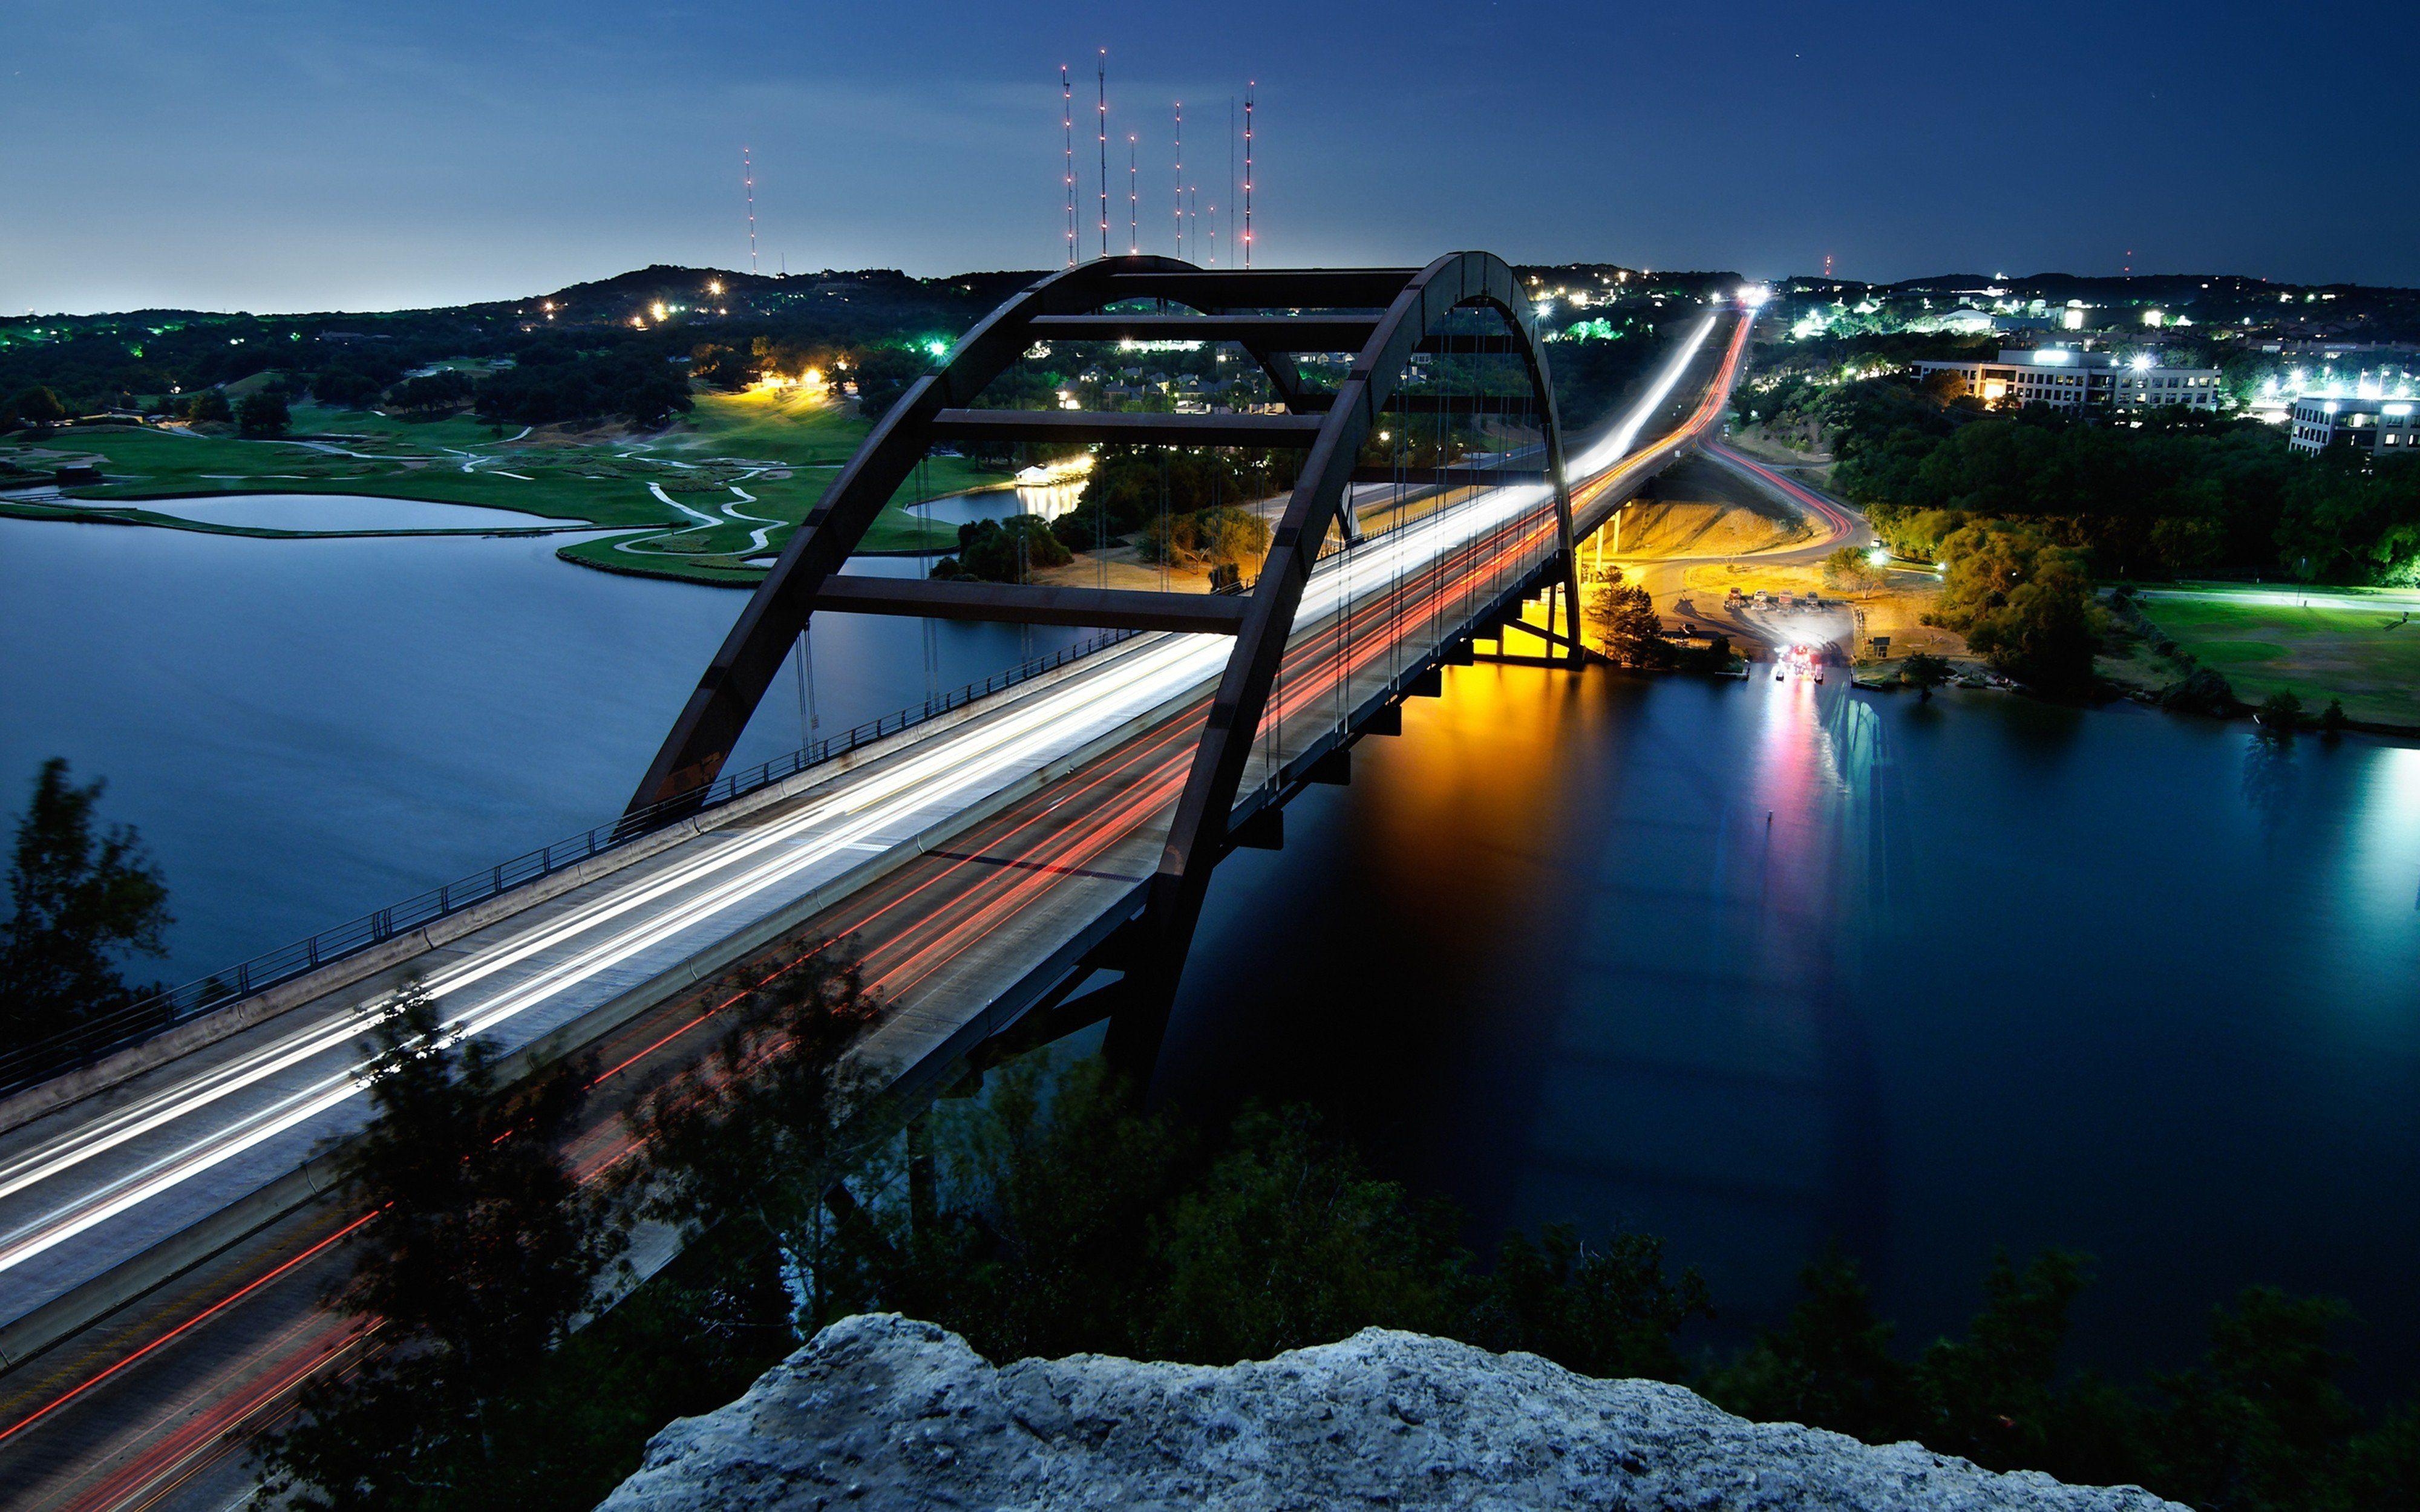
<point>969,856</point>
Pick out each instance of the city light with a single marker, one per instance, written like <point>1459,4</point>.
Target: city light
<point>2142,363</point>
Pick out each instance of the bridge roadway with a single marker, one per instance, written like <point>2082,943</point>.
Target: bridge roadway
<point>968,865</point>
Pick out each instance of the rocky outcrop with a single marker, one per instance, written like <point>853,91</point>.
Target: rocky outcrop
<point>879,1411</point>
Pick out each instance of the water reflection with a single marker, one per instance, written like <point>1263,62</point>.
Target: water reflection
<point>340,512</point>
<point>1049,501</point>
<point>2269,779</point>
<point>1757,966</point>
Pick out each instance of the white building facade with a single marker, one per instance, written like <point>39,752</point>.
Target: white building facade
<point>2067,378</point>
<point>2381,427</point>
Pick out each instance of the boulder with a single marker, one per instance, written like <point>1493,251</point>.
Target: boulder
<point>880,1412</point>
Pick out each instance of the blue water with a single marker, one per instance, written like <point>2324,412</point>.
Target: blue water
<point>305,730</point>
<point>1759,966</point>
<point>1750,966</point>
<point>341,512</point>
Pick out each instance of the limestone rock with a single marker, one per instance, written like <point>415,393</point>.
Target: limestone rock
<point>880,1412</point>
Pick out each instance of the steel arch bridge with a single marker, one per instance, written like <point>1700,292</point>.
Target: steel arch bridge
<point>1382,316</point>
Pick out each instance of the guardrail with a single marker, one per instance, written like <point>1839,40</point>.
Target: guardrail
<point>87,1042</point>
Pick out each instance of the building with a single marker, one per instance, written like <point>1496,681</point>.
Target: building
<point>2065,377</point>
<point>2381,427</point>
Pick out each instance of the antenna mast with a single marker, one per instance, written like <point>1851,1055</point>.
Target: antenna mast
<point>1179,179</point>
<point>1248,87</point>
<point>1067,120</point>
<point>1101,77</point>
<point>1134,202</point>
<point>748,184</point>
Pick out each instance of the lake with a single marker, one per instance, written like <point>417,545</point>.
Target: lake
<point>1754,966</point>
<point>1757,966</point>
<point>340,512</point>
<point>306,730</point>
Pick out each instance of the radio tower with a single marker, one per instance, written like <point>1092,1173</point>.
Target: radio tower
<point>1067,120</point>
<point>1134,202</point>
<point>1248,87</point>
<point>1101,78</point>
<point>747,185</point>
<point>1179,179</point>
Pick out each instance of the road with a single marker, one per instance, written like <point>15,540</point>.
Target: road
<point>966,860</point>
<point>1833,522</point>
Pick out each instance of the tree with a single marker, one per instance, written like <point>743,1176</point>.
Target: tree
<point>263,414</point>
<point>2281,712</point>
<point>1224,536</point>
<point>1945,388</point>
<point>754,1137</point>
<point>209,407</point>
<point>478,1252</point>
<point>1924,672</point>
<point>77,899</point>
<point>345,388</point>
<point>2020,602</point>
<point>1289,1241</point>
<point>1003,550</point>
<point>432,393</point>
<point>39,405</point>
<point>1990,1397</point>
<point>1604,1310</point>
<point>1051,1239</point>
<point>1829,1366</point>
<point>1848,569</point>
<point>883,375</point>
<point>1633,632</point>
<point>2262,1423</point>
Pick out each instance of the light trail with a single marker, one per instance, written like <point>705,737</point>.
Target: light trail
<point>1789,488</point>
<point>1409,576</point>
<point>1617,443</point>
<point>1028,736</point>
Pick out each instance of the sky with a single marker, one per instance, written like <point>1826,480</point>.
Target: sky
<point>245,154</point>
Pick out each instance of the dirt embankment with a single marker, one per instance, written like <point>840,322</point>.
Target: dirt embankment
<point>1702,528</point>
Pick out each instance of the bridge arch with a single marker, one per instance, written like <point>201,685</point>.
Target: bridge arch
<point>1382,316</point>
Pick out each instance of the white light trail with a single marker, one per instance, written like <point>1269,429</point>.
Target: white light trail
<point>944,775</point>
<point>1617,445</point>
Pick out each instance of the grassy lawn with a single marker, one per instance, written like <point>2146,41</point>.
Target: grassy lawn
<point>2264,641</point>
<point>741,464</point>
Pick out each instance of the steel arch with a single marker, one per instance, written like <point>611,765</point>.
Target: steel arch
<point>1297,312</point>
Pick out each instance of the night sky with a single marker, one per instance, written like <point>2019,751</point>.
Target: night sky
<point>283,157</point>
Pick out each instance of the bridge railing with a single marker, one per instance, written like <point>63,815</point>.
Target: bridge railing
<point>106,1034</point>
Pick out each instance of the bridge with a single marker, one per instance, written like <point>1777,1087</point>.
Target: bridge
<point>1006,866</point>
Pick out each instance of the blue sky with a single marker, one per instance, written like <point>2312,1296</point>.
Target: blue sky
<point>283,156</point>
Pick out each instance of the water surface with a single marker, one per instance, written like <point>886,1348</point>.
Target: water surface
<point>1759,966</point>
<point>341,512</point>
<point>306,730</point>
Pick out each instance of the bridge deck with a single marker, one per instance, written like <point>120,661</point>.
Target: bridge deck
<point>93,1185</point>
<point>968,867</point>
